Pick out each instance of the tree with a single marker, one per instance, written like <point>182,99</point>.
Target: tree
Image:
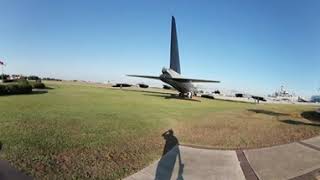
<point>4,76</point>
<point>33,77</point>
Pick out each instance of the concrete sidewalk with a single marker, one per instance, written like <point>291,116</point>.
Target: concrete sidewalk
<point>299,160</point>
<point>295,161</point>
<point>7,172</point>
<point>194,164</point>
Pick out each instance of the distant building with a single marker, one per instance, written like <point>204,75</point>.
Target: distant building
<point>16,76</point>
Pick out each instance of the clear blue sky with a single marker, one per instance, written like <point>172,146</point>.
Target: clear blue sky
<point>253,45</point>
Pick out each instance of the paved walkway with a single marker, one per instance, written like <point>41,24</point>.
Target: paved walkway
<point>7,172</point>
<point>296,161</point>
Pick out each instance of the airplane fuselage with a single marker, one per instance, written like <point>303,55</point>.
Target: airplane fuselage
<point>182,87</point>
<point>172,75</point>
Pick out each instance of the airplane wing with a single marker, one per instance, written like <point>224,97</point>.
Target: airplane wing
<point>144,76</point>
<point>177,79</point>
<point>194,80</point>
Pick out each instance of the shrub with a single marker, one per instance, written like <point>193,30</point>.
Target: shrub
<point>20,88</point>
<point>9,80</point>
<point>51,79</point>
<point>33,78</point>
<point>38,85</point>
<point>3,89</point>
<point>16,88</point>
<point>4,76</point>
<point>22,81</point>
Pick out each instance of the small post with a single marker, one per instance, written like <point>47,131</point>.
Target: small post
<point>2,73</point>
<point>2,64</point>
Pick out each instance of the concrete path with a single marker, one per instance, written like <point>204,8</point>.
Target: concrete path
<point>7,172</point>
<point>194,164</point>
<point>298,161</point>
<point>295,161</point>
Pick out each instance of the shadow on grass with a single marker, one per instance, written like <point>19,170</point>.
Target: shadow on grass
<point>38,91</point>
<point>271,113</point>
<point>32,93</point>
<point>139,90</point>
<point>295,122</point>
<point>234,101</point>
<point>172,96</point>
<point>311,115</point>
<point>170,154</point>
<point>48,87</point>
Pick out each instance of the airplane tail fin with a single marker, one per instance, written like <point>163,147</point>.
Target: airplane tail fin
<point>174,50</point>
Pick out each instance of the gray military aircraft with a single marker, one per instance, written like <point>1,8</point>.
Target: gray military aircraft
<point>172,76</point>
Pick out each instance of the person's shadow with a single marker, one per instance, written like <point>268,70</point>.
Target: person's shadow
<point>168,160</point>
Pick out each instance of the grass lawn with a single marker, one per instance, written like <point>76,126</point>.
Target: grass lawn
<point>80,131</point>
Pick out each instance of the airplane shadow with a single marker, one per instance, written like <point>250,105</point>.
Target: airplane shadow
<point>170,154</point>
<point>172,96</point>
<point>295,122</point>
<point>166,95</point>
<point>138,90</point>
<point>311,116</point>
<point>271,113</point>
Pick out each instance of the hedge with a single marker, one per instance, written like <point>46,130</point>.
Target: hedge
<point>3,89</point>
<point>15,88</point>
<point>37,85</point>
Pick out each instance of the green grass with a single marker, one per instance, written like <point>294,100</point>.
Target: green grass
<point>80,131</point>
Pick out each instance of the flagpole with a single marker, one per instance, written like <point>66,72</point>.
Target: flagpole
<point>2,73</point>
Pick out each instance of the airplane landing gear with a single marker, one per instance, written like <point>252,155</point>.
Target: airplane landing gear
<point>189,95</point>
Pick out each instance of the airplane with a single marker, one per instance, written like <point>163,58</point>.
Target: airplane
<point>172,76</point>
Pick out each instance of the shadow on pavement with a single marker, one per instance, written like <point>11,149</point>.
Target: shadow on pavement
<point>271,113</point>
<point>8,172</point>
<point>170,154</point>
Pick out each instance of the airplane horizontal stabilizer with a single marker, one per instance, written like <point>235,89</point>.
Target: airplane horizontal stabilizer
<point>194,80</point>
<point>144,76</point>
